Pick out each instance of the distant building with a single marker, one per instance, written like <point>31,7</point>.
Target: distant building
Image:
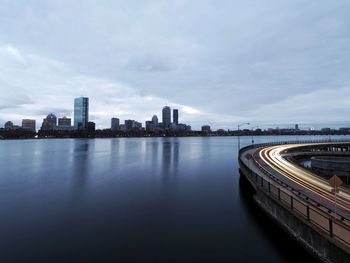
<point>138,125</point>
<point>297,127</point>
<point>49,123</point>
<point>173,126</point>
<point>181,127</point>
<point>345,129</point>
<point>206,128</point>
<point>326,130</point>
<point>29,125</point>
<point>8,125</point>
<point>114,124</point>
<point>149,126</point>
<point>91,127</point>
<point>132,125</point>
<point>166,117</point>
<point>81,112</point>
<point>176,116</point>
<point>129,124</point>
<point>155,121</point>
<point>64,121</point>
<point>64,124</point>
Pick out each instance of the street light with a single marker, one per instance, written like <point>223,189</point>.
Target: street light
<point>253,133</point>
<point>239,126</point>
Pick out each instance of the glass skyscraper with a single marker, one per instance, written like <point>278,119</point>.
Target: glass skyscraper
<point>81,112</point>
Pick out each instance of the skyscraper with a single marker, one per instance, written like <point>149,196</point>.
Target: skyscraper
<point>81,112</point>
<point>114,124</point>
<point>176,116</point>
<point>166,117</point>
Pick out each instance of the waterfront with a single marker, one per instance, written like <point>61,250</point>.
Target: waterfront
<point>128,199</point>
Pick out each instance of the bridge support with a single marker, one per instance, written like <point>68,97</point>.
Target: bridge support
<point>313,240</point>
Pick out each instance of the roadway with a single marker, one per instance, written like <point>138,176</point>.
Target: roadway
<point>312,187</point>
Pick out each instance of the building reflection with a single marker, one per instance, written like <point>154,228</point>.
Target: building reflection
<point>80,162</point>
<point>170,159</point>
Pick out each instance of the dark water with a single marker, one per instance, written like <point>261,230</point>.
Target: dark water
<point>132,200</point>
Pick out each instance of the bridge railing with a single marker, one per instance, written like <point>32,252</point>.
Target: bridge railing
<point>258,145</point>
<point>324,221</point>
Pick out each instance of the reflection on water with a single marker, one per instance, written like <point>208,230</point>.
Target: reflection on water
<point>130,199</point>
<point>80,161</point>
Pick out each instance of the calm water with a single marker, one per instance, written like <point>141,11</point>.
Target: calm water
<point>126,200</point>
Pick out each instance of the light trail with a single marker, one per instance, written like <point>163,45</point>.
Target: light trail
<point>306,182</point>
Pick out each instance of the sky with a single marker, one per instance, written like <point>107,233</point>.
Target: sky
<point>267,62</point>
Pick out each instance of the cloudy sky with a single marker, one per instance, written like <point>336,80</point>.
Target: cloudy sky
<point>268,62</point>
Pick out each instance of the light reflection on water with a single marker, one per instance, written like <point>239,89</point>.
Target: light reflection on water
<point>159,199</point>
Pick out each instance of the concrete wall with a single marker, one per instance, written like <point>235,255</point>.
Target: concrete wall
<point>299,229</point>
<point>313,239</point>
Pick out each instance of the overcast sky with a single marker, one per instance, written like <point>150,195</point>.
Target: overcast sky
<point>268,62</point>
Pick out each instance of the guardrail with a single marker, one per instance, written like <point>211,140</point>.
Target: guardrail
<point>258,145</point>
<point>333,227</point>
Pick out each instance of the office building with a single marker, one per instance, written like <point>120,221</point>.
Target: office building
<point>129,124</point>
<point>138,125</point>
<point>64,124</point>
<point>166,117</point>
<point>114,124</point>
<point>176,116</point>
<point>29,125</point>
<point>81,113</point>
<point>297,127</point>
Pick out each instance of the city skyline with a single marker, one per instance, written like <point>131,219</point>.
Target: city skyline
<point>80,116</point>
<point>218,64</point>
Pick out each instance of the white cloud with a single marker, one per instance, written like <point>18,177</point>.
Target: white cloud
<point>228,60</point>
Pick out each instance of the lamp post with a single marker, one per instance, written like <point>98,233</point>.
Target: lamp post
<point>253,133</point>
<point>239,139</point>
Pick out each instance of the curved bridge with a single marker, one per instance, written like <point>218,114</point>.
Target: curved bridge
<point>303,196</point>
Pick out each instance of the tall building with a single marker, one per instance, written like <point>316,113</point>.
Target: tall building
<point>81,113</point>
<point>29,125</point>
<point>114,124</point>
<point>297,127</point>
<point>166,117</point>
<point>155,121</point>
<point>176,116</point>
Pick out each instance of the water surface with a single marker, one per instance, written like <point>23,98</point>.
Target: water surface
<point>133,199</point>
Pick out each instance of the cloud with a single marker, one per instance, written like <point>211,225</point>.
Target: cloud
<point>47,86</point>
<point>230,61</point>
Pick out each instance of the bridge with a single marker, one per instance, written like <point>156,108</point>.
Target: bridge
<point>313,209</point>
